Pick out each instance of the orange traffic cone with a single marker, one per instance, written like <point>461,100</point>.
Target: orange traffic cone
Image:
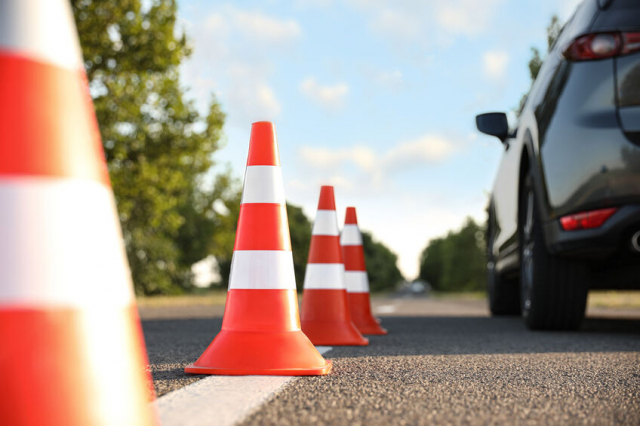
<point>356,276</point>
<point>261,328</point>
<point>325,308</point>
<point>71,348</point>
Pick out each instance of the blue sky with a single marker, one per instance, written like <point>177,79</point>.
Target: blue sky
<point>375,97</point>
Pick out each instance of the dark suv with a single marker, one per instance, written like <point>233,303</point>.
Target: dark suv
<point>564,213</point>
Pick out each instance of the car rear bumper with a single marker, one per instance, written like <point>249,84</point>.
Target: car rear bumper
<point>595,243</point>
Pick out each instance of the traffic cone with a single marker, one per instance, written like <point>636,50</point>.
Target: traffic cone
<point>71,347</point>
<point>325,308</point>
<point>356,276</point>
<point>261,327</point>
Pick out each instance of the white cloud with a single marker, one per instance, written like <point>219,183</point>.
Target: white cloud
<point>313,3</point>
<point>226,60</point>
<point>376,168</point>
<point>251,94</point>
<point>397,24</point>
<point>363,157</point>
<point>392,80</point>
<point>415,27</point>
<point>217,24</point>
<point>425,150</point>
<point>470,17</point>
<point>331,97</point>
<point>495,64</point>
<point>265,29</point>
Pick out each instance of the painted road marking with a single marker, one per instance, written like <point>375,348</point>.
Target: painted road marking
<point>220,400</point>
<point>385,309</point>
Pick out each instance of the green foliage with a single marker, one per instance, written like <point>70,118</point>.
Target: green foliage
<point>157,145</point>
<point>456,262</point>
<point>381,265</point>
<point>553,31</point>
<point>381,262</point>
<point>300,230</point>
<point>535,63</point>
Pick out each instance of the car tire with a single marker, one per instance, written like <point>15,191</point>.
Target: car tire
<point>553,289</point>
<point>503,295</point>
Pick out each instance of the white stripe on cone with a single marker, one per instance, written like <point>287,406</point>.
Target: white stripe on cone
<point>357,281</point>
<point>42,30</point>
<point>351,236</point>
<point>263,184</point>
<point>262,270</point>
<point>326,223</point>
<point>61,245</point>
<point>328,276</point>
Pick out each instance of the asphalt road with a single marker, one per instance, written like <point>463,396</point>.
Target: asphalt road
<point>443,362</point>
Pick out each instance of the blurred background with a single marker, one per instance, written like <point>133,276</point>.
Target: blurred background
<point>376,98</point>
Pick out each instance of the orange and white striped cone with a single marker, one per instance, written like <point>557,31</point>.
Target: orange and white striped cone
<point>356,276</point>
<point>71,351</point>
<point>325,308</point>
<point>261,327</point>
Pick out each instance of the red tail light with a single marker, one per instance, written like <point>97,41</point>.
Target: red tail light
<point>586,220</point>
<point>602,45</point>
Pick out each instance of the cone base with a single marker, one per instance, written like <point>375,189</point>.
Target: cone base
<point>372,329</point>
<point>360,307</point>
<point>326,319</point>
<point>241,353</point>
<point>333,333</point>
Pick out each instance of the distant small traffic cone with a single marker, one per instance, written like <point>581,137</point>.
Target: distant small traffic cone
<point>261,327</point>
<point>325,308</point>
<point>71,347</point>
<point>356,276</point>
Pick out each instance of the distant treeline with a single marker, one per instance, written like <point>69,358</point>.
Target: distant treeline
<point>381,262</point>
<point>456,262</point>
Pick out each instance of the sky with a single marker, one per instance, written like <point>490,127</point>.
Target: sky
<point>377,98</point>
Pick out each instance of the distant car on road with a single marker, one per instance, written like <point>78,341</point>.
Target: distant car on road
<point>564,212</point>
<point>420,287</point>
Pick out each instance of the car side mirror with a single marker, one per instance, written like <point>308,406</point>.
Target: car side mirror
<point>494,124</point>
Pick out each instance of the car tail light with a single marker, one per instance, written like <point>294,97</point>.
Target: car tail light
<point>586,220</point>
<point>602,45</point>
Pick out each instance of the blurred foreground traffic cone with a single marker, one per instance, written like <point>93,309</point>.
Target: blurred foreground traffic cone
<point>71,348</point>
<point>325,309</point>
<point>356,276</point>
<point>261,328</point>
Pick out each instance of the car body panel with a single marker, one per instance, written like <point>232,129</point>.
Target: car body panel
<point>577,136</point>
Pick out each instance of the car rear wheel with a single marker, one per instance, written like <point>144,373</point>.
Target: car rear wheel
<point>553,289</point>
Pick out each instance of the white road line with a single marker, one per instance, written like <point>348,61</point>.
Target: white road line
<point>220,400</point>
<point>385,309</point>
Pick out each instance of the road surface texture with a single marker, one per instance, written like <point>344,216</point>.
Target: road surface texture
<point>443,362</point>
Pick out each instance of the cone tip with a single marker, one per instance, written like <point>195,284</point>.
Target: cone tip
<point>263,145</point>
<point>350,217</point>
<point>327,199</point>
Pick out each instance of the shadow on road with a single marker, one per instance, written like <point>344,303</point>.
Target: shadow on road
<point>179,341</point>
<point>483,335</point>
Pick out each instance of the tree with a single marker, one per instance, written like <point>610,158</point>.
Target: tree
<point>381,264</point>
<point>456,262</point>
<point>157,145</point>
<point>300,230</point>
<point>535,63</point>
<point>431,263</point>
